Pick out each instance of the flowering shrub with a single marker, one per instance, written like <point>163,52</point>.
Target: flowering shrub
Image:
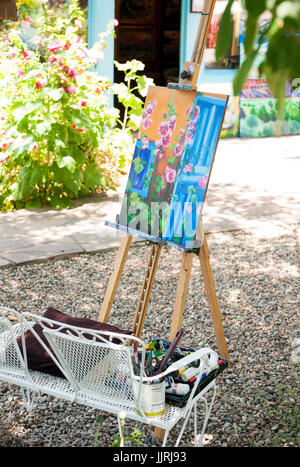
<point>58,139</point>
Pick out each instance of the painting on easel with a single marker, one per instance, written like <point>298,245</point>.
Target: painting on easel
<point>172,163</point>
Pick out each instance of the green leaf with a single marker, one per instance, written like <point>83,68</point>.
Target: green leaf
<point>251,33</point>
<point>56,94</point>
<point>67,161</point>
<point>33,204</point>
<point>78,117</point>
<point>93,176</point>
<point>225,32</point>
<point>20,190</point>
<point>243,72</point>
<point>19,146</point>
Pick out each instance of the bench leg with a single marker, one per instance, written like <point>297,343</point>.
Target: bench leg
<point>206,416</point>
<point>29,398</point>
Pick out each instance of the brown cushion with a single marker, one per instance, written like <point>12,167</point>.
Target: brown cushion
<point>39,359</point>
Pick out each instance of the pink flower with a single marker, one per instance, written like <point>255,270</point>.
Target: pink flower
<point>71,89</point>
<point>159,154</point>
<point>165,142</point>
<point>164,129</point>
<point>63,88</point>
<point>146,123</point>
<point>78,23</point>
<point>170,175</point>
<point>52,59</point>
<point>188,168</point>
<point>21,73</point>
<point>178,149</point>
<point>196,113</point>
<point>145,143</point>
<point>203,181</point>
<point>35,146</point>
<point>54,47</point>
<point>189,208</point>
<point>172,122</point>
<point>38,85</point>
<point>98,91</point>
<point>87,154</point>
<point>83,103</point>
<point>25,54</point>
<point>3,159</point>
<point>71,73</point>
<point>4,146</point>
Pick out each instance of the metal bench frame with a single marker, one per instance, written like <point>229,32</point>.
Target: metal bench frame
<point>77,352</point>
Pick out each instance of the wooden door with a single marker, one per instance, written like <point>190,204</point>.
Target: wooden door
<point>149,31</point>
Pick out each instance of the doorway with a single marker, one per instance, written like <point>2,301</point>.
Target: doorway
<point>149,31</point>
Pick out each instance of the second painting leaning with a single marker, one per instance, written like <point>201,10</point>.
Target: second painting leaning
<point>172,163</point>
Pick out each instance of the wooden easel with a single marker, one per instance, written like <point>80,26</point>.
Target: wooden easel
<point>188,80</point>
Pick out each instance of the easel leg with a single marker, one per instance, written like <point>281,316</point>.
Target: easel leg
<point>146,290</point>
<point>181,294</point>
<point>212,300</point>
<point>115,279</point>
<point>177,319</point>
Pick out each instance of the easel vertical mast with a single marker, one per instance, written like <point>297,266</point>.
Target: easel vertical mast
<point>191,70</point>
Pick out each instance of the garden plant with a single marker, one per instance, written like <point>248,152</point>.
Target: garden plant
<point>60,135</point>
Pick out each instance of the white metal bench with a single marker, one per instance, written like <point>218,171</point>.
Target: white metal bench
<point>98,373</point>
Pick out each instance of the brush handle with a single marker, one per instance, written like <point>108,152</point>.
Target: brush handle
<point>170,351</point>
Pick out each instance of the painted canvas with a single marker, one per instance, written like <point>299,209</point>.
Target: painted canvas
<point>172,163</point>
<point>259,117</point>
<point>230,128</point>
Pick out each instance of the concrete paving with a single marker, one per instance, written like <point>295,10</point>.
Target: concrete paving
<point>254,185</point>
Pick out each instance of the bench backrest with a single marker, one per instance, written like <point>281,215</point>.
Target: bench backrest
<point>93,364</point>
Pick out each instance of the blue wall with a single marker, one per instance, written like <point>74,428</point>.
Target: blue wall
<point>100,13</point>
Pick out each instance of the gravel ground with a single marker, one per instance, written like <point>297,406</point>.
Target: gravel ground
<point>257,283</point>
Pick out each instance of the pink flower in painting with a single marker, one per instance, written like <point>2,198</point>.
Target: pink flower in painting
<point>38,85</point>
<point>145,143</point>
<point>189,208</point>
<point>83,103</point>
<point>190,136</point>
<point>21,73</point>
<point>87,154</point>
<point>178,149</point>
<point>146,123</point>
<point>159,154</point>
<point>172,123</point>
<point>196,113</point>
<point>63,88</point>
<point>25,54</point>
<point>165,142</point>
<point>188,168</point>
<point>170,175</point>
<point>164,129</point>
<point>203,181</point>
<point>190,125</point>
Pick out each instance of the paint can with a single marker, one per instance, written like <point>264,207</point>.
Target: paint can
<point>152,398</point>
